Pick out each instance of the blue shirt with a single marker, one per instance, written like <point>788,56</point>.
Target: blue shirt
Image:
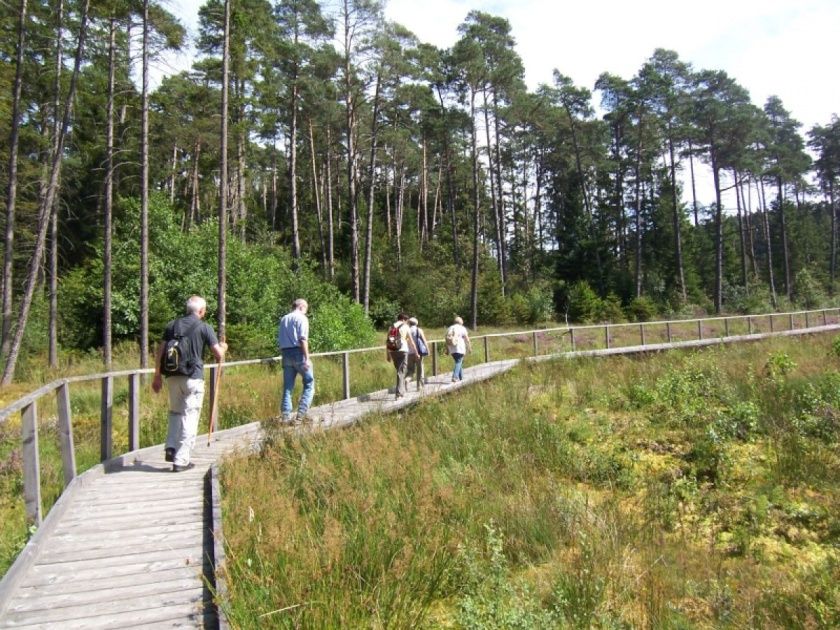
<point>293,328</point>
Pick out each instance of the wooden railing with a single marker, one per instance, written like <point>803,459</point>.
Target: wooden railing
<point>573,339</point>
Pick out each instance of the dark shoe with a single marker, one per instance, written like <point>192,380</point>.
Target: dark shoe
<point>170,455</point>
<point>177,468</point>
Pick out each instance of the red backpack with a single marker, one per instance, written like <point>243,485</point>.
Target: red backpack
<point>394,340</point>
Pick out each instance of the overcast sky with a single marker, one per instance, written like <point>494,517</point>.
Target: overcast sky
<point>783,47</point>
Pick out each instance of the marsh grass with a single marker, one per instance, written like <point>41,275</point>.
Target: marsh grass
<point>684,490</point>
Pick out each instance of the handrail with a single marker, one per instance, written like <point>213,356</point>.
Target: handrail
<point>28,404</point>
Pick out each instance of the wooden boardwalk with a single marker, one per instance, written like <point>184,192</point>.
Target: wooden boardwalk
<point>130,544</point>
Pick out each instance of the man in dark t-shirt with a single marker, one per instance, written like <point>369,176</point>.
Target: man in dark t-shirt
<point>186,391</point>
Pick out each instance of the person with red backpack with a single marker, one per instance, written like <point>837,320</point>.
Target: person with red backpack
<point>398,344</point>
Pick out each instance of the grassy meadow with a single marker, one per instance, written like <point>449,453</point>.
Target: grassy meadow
<point>680,490</point>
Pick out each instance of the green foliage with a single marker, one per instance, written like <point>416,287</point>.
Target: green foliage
<point>582,303</point>
<point>491,598</point>
<point>261,287</point>
<point>752,298</point>
<point>807,291</point>
<point>641,309</point>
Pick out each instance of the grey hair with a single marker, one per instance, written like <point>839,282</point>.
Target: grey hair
<point>458,320</point>
<point>299,302</point>
<point>195,304</point>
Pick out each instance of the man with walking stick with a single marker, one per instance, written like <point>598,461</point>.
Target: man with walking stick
<point>180,359</point>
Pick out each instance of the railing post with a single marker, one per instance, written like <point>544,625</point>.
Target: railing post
<point>699,329</point>
<point>106,419</point>
<point>749,325</point>
<point>65,433</point>
<point>211,385</point>
<point>134,410</point>
<point>31,463</point>
<point>607,335</point>
<point>790,317</point>
<point>807,323</point>
<point>770,317</point>
<point>434,357</point>
<point>726,327</point>
<point>486,349</point>
<point>345,373</point>
<point>825,320</point>
<point>668,330</point>
<point>642,334</point>
<point>572,338</point>
<point>536,348</point>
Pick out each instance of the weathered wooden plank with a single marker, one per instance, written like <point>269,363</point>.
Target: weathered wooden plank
<point>115,522</point>
<point>189,603</point>
<point>143,504</point>
<point>106,553</point>
<point>161,561</point>
<point>110,581</point>
<point>40,601</point>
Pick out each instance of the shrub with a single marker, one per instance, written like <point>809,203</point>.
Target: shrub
<point>582,303</point>
<point>641,309</point>
<point>807,291</point>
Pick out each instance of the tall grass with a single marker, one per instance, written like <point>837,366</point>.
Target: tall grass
<point>682,490</point>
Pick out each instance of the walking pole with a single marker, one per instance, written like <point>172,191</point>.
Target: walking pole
<point>214,404</point>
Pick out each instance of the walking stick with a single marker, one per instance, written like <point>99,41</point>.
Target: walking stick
<point>214,404</point>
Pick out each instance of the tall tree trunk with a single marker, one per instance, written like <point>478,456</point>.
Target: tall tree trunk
<point>638,218</point>
<point>785,247</point>
<point>693,183</point>
<point>746,202</point>
<point>330,222</point>
<point>374,129</point>
<point>274,192</point>
<point>768,241</point>
<point>741,229</point>
<point>293,190</point>
<point>494,201</point>
<point>11,186</point>
<point>500,192</point>
<point>172,174</point>
<point>108,204</point>
<point>833,211</point>
<point>53,252</point>
<point>450,189</point>
<point>677,219</point>
<point>476,215</point>
<point>223,177</point>
<point>316,193</point>
<point>46,205</point>
<point>424,193</point>
<point>144,197</point>
<point>718,297</point>
<point>195,199</point>
<point>53,287</point>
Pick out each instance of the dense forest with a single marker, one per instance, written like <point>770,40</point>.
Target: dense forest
<point>316,149</point>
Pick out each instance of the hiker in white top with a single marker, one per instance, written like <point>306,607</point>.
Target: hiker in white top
<point>398,344</point>
<point>415,356</point>
<point>458,344</point>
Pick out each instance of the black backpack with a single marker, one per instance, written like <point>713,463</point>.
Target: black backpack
<point>174,362</point>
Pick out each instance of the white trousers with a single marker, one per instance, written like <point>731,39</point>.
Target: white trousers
<point>185,398</point>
